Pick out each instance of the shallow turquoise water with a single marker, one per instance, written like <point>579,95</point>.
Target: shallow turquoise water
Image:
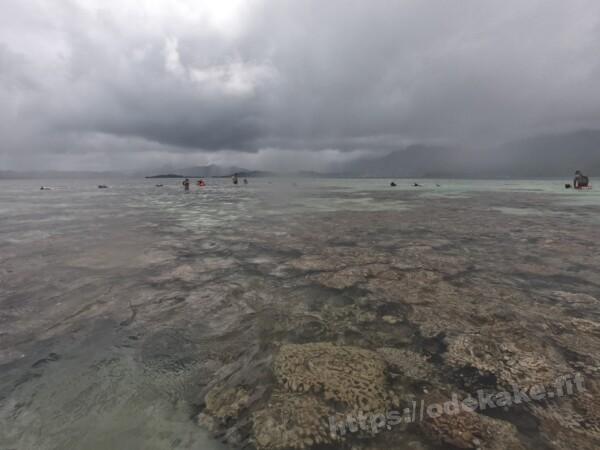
<point>95,353</point>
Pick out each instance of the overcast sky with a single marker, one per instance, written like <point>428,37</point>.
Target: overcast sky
<point>126,84</point>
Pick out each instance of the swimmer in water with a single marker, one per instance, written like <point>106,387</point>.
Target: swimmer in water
<point>186,185</point>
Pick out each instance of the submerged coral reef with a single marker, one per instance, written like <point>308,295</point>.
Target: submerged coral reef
<point>275,319</point>
<point>408,311</point>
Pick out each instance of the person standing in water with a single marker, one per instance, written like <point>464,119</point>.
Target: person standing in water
<point>580,180</point>
<point>186,185</point>
<point>234,178</point>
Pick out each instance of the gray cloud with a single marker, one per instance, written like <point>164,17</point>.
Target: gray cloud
<point>116,83</point>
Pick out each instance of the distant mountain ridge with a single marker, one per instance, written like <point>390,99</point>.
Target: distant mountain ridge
<point>540,156</point>
<point>165,175</point>
<point>212,170</point>
<point>56,174</point>
<point>415,160</point>
<point>551,155</point>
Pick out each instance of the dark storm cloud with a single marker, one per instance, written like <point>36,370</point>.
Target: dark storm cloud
<point>107,78</point>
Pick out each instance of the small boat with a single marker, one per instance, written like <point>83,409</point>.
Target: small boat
<point>102,186</point>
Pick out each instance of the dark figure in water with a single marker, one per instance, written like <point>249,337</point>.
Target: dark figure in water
<point>234,178</point>
<point>245,181</point>
<point>580,180</point>
<point>186,185</point>
<point>392,184</point>
<point>416,185</point>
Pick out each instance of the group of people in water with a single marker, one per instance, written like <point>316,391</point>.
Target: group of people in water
<point>202,183</point>
<point>186,184</point>
<point>234,179</point>
<point>393,184</point>
<point>580,181</point>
